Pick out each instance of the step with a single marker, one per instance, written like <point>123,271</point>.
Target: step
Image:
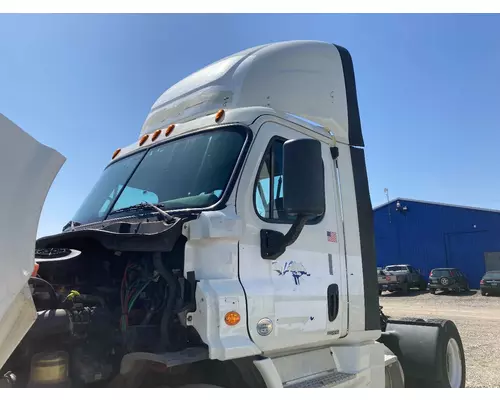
<point>326,379</point>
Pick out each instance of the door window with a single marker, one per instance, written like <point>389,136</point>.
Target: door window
<point>268,191</point>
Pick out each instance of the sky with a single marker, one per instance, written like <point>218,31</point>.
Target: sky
<point>428,90</point>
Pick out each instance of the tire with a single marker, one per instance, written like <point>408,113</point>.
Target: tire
<point>432,291</point>
<point>431,353</point>
<point>444,281</point>
<point>405,288</point>
<point>483,293</point>
<point>380,293</point>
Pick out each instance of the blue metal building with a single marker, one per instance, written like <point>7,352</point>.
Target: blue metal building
<point>433,235</point>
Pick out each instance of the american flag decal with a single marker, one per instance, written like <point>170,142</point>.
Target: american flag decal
<point>332,236</point>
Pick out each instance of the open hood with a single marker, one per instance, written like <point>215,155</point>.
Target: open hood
<point>27,172</point>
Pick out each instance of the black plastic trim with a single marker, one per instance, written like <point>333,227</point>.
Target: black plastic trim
<point>355,134</point>
<point>142,236</point>
<point>367,239</point>
<point>334,151</point>
<point>333,301</point>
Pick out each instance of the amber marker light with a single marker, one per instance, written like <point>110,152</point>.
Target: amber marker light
<point>117,151</point>
<point>155,135</point>
<point>219,116</point>
<point>232,318</point>
<point>169,129</point>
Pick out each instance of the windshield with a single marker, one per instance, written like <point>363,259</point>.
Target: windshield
<point>438,273</point>
<point>492,275</point>
<point>189,172</point>
<point>396,268</point>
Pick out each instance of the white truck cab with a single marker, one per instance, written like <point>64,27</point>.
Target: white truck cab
<point>230,245</point>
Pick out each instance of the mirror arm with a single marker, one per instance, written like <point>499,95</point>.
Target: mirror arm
<point>273,244</point>
<point>293,234</point>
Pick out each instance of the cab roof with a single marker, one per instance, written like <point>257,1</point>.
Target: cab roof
<point>310,79</point>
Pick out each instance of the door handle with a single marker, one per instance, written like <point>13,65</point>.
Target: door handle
<point>333,301</point>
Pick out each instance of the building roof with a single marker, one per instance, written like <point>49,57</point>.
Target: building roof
<point>435,204</point>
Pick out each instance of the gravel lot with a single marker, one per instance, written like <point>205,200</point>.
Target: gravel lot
<point>477,319</point>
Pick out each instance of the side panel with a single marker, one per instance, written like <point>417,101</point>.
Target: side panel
<point>212,253</point>
<point>359,192</point>
<point>297,305</point>
<point>359,237</point>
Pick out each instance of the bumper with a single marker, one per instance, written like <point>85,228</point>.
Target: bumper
<point>491,289</point>
<point>389,286</point>
<point>437,286</point>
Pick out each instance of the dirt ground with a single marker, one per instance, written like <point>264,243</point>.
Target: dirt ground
<point>477,318</point>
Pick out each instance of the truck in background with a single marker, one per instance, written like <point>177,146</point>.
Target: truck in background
<point>400,278</point>
<point>231,245</point>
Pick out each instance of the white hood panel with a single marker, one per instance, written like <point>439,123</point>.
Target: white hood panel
<point>27,170</point>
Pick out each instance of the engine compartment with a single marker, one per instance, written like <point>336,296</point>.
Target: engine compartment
<point>96,305</point>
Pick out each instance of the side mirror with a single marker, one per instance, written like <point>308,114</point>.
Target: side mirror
<point>303,193</point>
<point>303,178</point>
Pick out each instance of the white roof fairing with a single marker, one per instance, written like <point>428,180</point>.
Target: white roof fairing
<point>305,78</point>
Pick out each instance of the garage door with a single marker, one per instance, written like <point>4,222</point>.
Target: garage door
<point>492,261</point>
<point>466,252</point>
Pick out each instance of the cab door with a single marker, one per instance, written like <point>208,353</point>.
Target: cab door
<point>301,296</point>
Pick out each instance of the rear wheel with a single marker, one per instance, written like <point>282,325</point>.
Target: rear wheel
<point>432,291</point>
<point>455,364</point>
<point>483,293</point>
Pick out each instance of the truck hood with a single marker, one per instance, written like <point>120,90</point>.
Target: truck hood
<point>28,170</point>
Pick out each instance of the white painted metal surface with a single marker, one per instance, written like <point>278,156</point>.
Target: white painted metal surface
<point>212,253</point>
<point>28,171</point>
<point>299,311</point>
<point>304,78</point>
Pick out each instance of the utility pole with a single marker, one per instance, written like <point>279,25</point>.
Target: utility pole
<point>386,191</point>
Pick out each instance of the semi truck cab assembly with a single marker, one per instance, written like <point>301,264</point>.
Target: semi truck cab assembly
<point>230,245</point>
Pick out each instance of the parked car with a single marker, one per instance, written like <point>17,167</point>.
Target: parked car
<point>447,280</point>
<point>401,278</point>
<point>490,284</point>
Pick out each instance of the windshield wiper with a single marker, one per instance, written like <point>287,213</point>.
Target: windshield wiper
<point>71,224</point>
<point>145,206</point>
